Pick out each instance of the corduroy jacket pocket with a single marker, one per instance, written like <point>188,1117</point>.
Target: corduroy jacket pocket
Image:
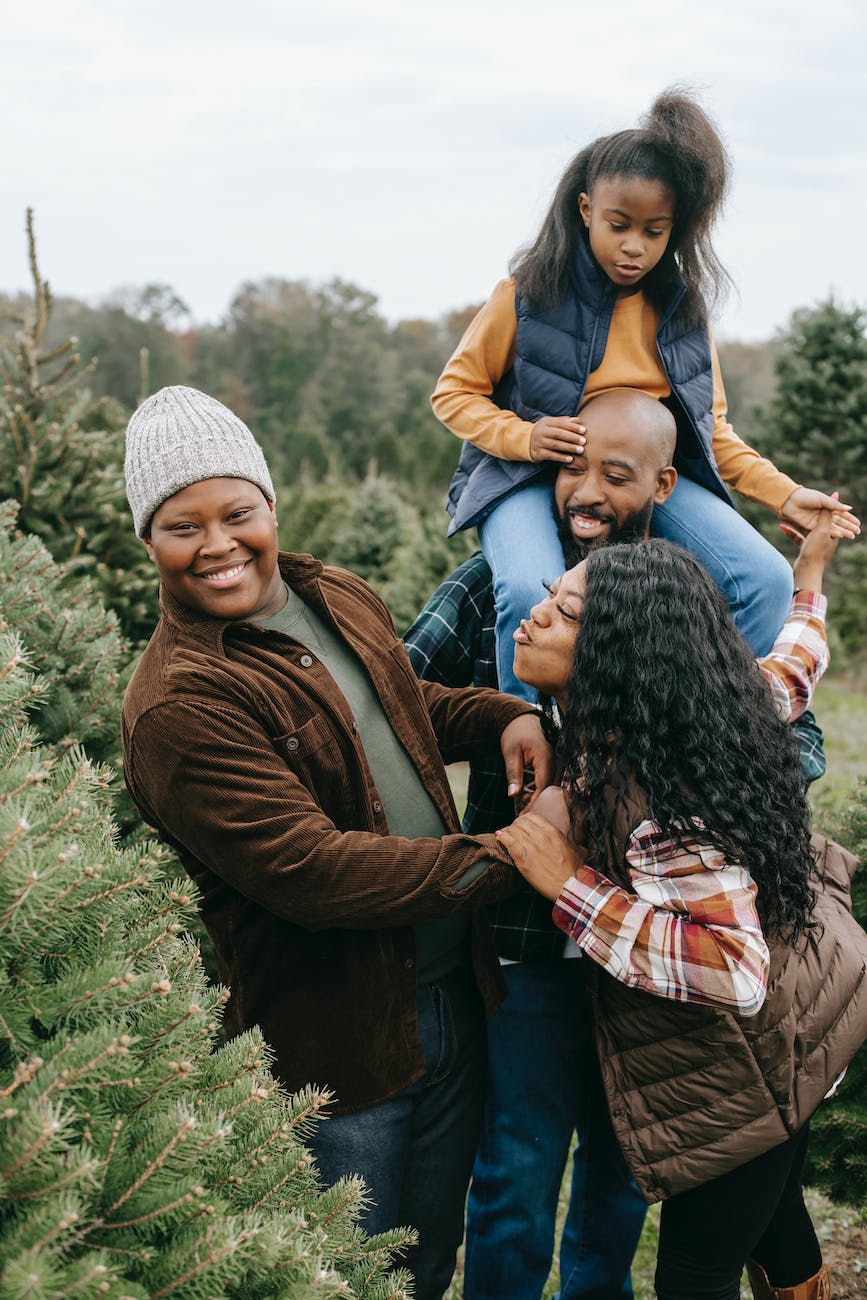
<point>314,753</point>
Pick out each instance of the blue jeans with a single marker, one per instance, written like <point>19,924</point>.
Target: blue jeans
<point>520,543</point>
<point>543,1086</point>
<point>415,1151</point>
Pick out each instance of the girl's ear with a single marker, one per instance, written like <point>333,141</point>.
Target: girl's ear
<point>584,208</point>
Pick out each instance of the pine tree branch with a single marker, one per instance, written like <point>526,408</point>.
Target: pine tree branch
<point>72,1177</point>
<point>211,1259</point>
<point>187,1199</point>
<point>180,1136</point>
<point>25,1072</point>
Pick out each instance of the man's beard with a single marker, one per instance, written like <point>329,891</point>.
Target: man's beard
<point>633,529</point>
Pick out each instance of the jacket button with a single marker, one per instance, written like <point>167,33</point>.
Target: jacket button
<point>409,963</point>
<point>292,743</point>
<point>377,806</point>
<point>306,661</point>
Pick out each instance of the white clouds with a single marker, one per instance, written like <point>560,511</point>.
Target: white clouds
<point>405,146</point>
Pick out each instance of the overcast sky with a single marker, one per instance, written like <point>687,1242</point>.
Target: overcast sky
<point>411,146</point>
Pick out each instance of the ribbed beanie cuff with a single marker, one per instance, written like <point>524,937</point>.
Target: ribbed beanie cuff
<point>179,437</point>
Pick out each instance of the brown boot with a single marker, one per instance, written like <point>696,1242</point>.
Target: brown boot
<point>815,1288</point>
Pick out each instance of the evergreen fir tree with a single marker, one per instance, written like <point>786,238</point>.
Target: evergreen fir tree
<point>73,642</point>
<point>367,536</point>
<point>138,1157</point>
<point>61,457</point>
<point>838,1131</point>
<point>815,429</point>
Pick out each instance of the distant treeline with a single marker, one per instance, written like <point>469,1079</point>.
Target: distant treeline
<point>339,398</point>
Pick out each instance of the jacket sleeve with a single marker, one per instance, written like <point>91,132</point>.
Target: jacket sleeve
<point>211,781</point>
<point>740,466</point>
<point>687,929</point>
<point>462,398</point>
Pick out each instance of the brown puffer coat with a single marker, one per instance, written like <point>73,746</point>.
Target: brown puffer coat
<point>694,1092</point>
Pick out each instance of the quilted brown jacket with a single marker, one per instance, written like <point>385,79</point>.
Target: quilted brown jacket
<point>241,752</point>
<point>694,1091</point>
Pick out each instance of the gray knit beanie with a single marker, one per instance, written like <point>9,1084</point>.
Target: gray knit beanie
<point>179,437</point>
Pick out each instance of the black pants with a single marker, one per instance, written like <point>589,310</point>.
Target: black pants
<point>754,1212</point>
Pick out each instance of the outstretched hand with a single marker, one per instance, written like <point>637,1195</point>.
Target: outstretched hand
<point>817,551</point>
<point>805,507</point>
<point>524,746</point>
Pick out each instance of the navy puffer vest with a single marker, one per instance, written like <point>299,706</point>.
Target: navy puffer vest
<point>555,351</point>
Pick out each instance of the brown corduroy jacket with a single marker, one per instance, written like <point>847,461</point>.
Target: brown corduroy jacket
<point>694,1091</point>
<point>242,753</point>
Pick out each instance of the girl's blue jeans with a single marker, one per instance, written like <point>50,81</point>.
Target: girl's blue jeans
<point>520,543</point>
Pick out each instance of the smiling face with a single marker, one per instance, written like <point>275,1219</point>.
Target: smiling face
<point>608,493</point>
<point>629,221</point>
<point>215,548</point>
<point>545,642</point>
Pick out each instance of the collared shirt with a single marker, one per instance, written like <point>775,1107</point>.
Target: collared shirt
<point>452,642</point>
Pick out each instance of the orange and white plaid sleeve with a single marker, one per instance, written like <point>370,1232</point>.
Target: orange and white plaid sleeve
<point>799,656</point>
<point>687,929</point>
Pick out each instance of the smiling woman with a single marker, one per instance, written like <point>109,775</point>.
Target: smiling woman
<point>215,547</point>
<point>275,734</point>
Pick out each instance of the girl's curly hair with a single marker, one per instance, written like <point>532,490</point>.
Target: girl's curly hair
<point>676,144</point>
<point>664,696</point>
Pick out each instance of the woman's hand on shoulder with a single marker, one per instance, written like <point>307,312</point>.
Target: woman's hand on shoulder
<point>550,803</point>
<point>541,852</point>
<point>557,437</point>
<point>806,507</point>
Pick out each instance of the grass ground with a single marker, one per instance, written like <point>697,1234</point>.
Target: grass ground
<point>842,1234</point>
<point>842,1230</point>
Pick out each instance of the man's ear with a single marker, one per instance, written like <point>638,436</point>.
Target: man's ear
<point>148,545</point>
<point>665,484</point>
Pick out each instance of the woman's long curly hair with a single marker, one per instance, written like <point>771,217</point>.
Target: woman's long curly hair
<point>676,144</point>
<point>665,697</point>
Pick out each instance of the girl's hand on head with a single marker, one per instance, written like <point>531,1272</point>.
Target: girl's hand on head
<point>817,551</point>
<point>557,437</point>
<point>806,506</point>
<point>544,857</point>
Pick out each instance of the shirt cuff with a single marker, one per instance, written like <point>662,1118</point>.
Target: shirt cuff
<point>812,603</point>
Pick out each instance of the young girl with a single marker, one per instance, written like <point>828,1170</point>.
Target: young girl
<point>614,293</point>
<point>725,969</point>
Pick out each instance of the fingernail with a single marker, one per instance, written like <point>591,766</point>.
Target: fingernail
<point>496,832</point>
<point>514,788</point>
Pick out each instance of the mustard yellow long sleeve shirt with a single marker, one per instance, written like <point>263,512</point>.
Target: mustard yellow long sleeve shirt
<point>462,399</point>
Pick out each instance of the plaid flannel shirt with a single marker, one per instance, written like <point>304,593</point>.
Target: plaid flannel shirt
<point>452,642</point>
<point>687,929</point>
